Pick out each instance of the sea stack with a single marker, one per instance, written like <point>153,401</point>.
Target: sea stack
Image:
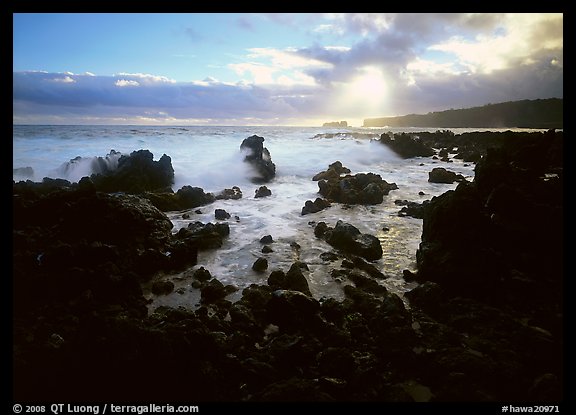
<point>259,157</point>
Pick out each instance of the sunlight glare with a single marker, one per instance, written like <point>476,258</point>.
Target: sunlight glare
<point>365,94</point>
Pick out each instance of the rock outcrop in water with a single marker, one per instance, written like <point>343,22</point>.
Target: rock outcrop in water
<point>335,124</point>
<point>406,145</point>
<point>259,157</point>
<point>441,175</point>
<point>136,173</point>
<point>361,188</point>
<point>348,238</point>
<point>187,197</point>
<point>314,206</point>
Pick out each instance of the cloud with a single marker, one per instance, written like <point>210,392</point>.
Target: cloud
<point>124,82</point>
<point>266,66</point>
<point>524,37</point>
<point>65,80</point>
<point>419,63</point>
<point>109,97</point>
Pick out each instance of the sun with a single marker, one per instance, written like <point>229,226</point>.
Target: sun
<point>365,95</point>
<point>368,85</point>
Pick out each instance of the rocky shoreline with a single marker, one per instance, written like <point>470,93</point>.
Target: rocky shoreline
<point>484,324</point>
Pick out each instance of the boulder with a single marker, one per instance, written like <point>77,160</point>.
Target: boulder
<point>260,265</point>
<point>235,193</point>
<point>262,191</point>
<point>202,274</point>
<point>441,175</point>
<point>259,157</point>
<point>221,214</point>
<point>190,197</point>
<point>348,238</point>
<point>266,239</point>
<point>316,206</point>
<point>162,287</point>
<point>406,145</point>
<point>203,236</point>
<point>212,291</point>
<point>295,279</point>
<point>334,171</point>
<point>362,188</point>
<point>290,308</point>
<point>414,209</point>
<point>136,173</point>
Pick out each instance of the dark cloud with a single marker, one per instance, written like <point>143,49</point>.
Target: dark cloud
<point>43,94</point>
<point>463,90</point>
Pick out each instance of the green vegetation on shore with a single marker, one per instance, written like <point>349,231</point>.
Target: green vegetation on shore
<point>539,113</point>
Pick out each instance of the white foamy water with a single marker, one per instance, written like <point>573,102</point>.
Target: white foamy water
<point>210,157</point>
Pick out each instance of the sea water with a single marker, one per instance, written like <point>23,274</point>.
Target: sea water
<point>210,158</point>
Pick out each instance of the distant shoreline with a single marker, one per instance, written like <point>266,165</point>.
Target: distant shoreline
<point>537,114</point>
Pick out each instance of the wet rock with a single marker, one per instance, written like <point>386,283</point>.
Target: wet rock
<point>362,188</point>
<point>428,296</point>
<point>267,239</point>
<point>367,284</point>
<point>320,229</point>
<point>162,287</point>
<point>256,296</point>
<point>295,279</point>
<point>243,319</point>
<point>260,265</point>
<point>362,264</point>
<point>212,291</point>
<point>202,274</point>
<point>182,254</point>
<point>413,209</point>
<point>334,171</point>
<point>441,175</point>
<point>262,191</point>
<point>409,276</point>
<point>316,206</point>
<point>150,261</point>
<point>329,256</point>
<point>406,145</point>
<point>348,238</point>
<point>266,249</point>
<point>277,280</point>
<point>259,157</point>
<point>136,173</point>
<point>291,309</point>
<point>204,236</point>
<point>190,197</point>
<point>221,214</point>
<point>234,193</point>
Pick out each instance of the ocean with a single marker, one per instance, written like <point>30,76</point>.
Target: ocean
<point>210,157</point>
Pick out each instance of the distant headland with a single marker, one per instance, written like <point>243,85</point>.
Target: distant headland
<point>335,124</point>
<point>538,113</point>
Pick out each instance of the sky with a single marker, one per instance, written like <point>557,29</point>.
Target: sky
<point>276,69</point>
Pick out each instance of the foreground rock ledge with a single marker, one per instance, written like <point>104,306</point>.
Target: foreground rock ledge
<point>80,316</point>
